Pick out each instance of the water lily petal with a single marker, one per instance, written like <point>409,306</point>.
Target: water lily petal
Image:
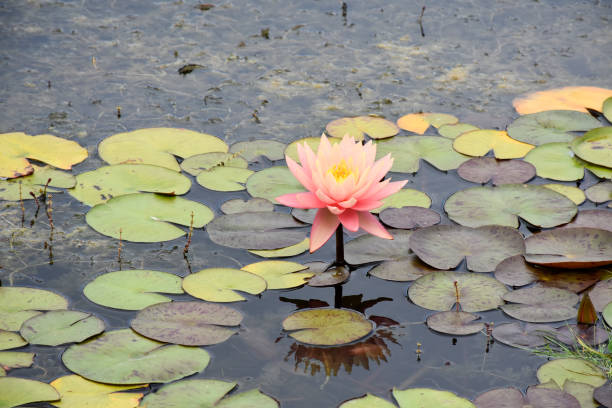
<point>349,203</point>
<point>335,210</point>
<point>324,197</point>
<point>370,224</point>
<point>366,205</point>
<point>300,174</point>
<point>323,227</point>
<point>301,200</point>
<point>350,219</point>
<point>387,190</point>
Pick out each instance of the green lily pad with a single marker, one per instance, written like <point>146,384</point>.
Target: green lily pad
<point>550,126</point>
<point>285,252</point>
<point>157,146</point>
<point>237,205</point>
<point>502,205</point>
<point>570,248</point>
<point>124,357</point>
<point>403,198</point>
<point>573,369</point>
<point>601,219</point>
<point>206,394</point>
<point>445,246</point>
<point>10,340</point>
<point>556,161</point>
<point>600,192</point>
<point>405,269</point>
<point>409,217</point>
<point>437,291</point>
<point>187,323</point>
<point>595,146</point>
<point>18,391</point>
<point>485,169</point>
<point>18,304</point>
<point>358,127</point>
<point>35,184</point>
<point>147,217</point>
<point>14,359</point>
<point>480,142</point>
<point>132,289</point>
<point>273,182</point>
<point>408,151</point>
<point>452,131</point>
<point>454,322</point>
<point>280,274</point>
<point>607,313</point>
<point>515,335</point>
<point>601,294</point>
<point>100,185</point>
<point>327,327</point>
<point>425,397</point>
<point>195,165</point>
<point>224,178</point>
<point>60,326</point>
<point>77,392</point>
<point>220,284</point>
<point>367,401</point>
<point>541,304</point>
<point>370,248</point>
<point>253,149</point>
<point>607,109</point>
<point>257,230</point>
<point>312,142</point>
<point>18,147</point>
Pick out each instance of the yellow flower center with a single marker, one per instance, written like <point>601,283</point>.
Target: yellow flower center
<point>341,171</point>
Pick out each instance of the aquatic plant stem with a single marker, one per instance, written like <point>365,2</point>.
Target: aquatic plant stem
<point>340,246</point>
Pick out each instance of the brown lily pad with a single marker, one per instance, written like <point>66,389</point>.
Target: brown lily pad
<point>603,395</point>
<point>601,219</point>
<point>591,335</point>
<point>403,270</point>
<point>536,398</point>
<point>600,193</point>
<point>540,304</point>
<point>516,335</point>
<point>601,294</point>
<point>330,277</point>
<point>485,169</point>
<point>455,323</point>
<point>409,217</point>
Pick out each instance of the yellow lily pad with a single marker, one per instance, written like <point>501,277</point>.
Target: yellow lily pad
<point>291,250</point>
<point>77,392</point>
<point>35,184</point>
<point>280,274</point>
<point>420,122</point>
<point>576,98</point>
<point>573,193</point>
<point>358,127</point>
<point>221,284</point>
<point>480,142</point>
<point>18,391</point>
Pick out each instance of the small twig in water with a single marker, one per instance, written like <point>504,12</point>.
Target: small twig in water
<point>44,194</point>
<point>50,210</point>
<point>457,295</point>
<point>420,20</point>
<point>119,247</point>
<point>186,249</point>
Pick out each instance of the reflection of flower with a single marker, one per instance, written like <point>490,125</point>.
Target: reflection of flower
<point>343,182</point>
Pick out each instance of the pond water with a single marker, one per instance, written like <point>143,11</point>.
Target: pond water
<point>278,70</point>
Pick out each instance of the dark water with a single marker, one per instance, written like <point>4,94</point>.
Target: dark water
<point>277,70</point>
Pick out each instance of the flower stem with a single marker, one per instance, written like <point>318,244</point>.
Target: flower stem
<point>340,246</point>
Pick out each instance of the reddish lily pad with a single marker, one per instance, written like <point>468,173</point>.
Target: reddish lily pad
<point>536,397</point>
<point>595,146</point>
<point>570,248</point>
<point>409,217</point>
<point>455,323</point>
<point>550,126</point>
<point>402,270</point>
<point>541,304</point>
<point>370,248</point>
<point>438,291</point>
<point>601,294</point>
<point>445,246</point>
<point>515,335</point>
<point>358,127</point>
<point>124,357</point>
<point>600,193</point>
<point>485,169</point>
<point>256,230</point>
<point>328,327</point>
<point>187,323</point>
<point>536,295</point>
<point>502,205</point>
<point>591,335</point>
<point>601,219</point>
<point>603,395</point>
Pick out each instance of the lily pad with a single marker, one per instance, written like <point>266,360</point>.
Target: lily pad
<point>124,357</point>
<point>540,304</point>
<point>595,146</point>
<point>285,252</point>
<point>195,165</point>
<point>601,294</point>
<point>445,246</point>
<point>18,391</point>
<point>358,127</point>
<point>420,122</point>
<point>18,147</point>
<point>573,369</point>
<point>480,142</point>
<point>607,313</point>
<point>10,340</point>
<point>313,142</point>
<point>132,289</point>
<point>536,295</point>
<point>603,395</point>
<point>485,169</point>
<point>425,397</point>
<point>583,393</point>
<point>409,217</point>
<point>576,98</point>
<point>404,269</point>
<point>60,326</point>
<point>14,359</point>
<point>237,205</point>
<point>591,335</point>
<point>502,205</point>
<point>370,248</point>
<point>515,335</point>
<point>408,151</point>
<point>206,394</point>
<point>187,323</point>
<point>451,131</point>
<point>556,161</point>
<point>220,284</point>
<point>306,215</point>
<point>329,277</point>
<point>35,184</point>
<point>158,146</point>
<point>327,327</point>
<point>455,322</point>
<point>550,126</point>
<point>600,192</point>
<point>601,219</point>
<point>573,193</point>
<point>404,197</point>
<point>536,397</point>
<point>100,185</point>
<point>273,182</point>
<point>280,274</point>
<point>77,392</point>
<point>367,401</point>
<point>253,149</point>
<point>257,230</point>
<point>224,178</point>
<point>147,217</point>
<point>570,248</point>
<point>438,291</point>
<point>18,304</point>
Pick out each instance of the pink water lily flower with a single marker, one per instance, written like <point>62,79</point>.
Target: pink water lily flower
<point>344,182</point>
